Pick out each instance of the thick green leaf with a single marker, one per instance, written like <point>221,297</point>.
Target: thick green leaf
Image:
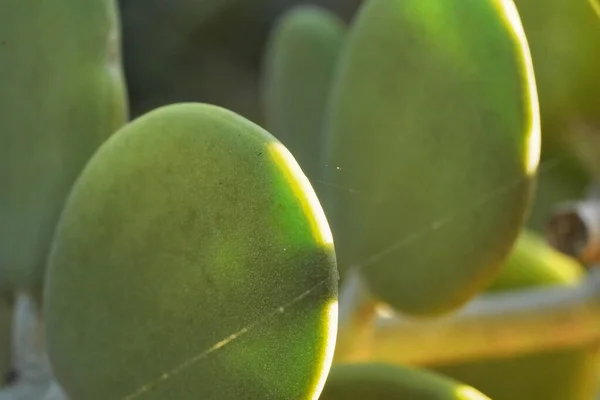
<point>299,66</point>
<point>193,260</point>
<point>433,148</point>
<point>62,95</point>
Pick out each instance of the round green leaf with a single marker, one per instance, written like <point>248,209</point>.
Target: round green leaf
<point>192,260</point>
<point>434,140</point>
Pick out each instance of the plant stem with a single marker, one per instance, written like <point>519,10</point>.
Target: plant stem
<point>493,325</point>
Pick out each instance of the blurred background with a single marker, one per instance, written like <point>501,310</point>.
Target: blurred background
<point>184,50</point>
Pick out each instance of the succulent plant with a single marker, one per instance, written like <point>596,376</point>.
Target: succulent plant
<point>299,66</point>
<point>62,94</point>
<point>186,252</point>
<point>439,143</point>
<point>212,250</point>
